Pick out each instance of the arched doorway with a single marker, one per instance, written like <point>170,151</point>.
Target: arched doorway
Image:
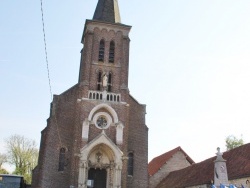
<point>100,161</point>
<point>98,176</point>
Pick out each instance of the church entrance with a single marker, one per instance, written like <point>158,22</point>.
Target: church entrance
<point>99,176</point>
<point>100,164</point>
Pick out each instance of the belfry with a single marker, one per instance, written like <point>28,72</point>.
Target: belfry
<point>96,134</point>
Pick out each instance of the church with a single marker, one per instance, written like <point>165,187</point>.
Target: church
<point>96,134</point>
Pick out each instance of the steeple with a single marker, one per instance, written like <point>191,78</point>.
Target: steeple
<point>107,11</point>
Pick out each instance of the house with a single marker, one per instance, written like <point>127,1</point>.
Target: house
<point>161,166</point>
<point>202,174</point>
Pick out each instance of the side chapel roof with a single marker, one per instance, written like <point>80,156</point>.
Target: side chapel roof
<point>107,11</point>
<point>156,163</point>
<point>238,166</point>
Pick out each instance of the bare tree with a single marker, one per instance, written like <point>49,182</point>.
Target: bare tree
<point>3,159</point>
<point>22,153</point>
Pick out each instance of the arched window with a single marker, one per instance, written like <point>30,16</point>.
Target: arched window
<point>61,159</point>
<point>111,52</point>
<point>109,82</point>
<point>101,50</point>
<point>130,164</point>
<point>99,80</point>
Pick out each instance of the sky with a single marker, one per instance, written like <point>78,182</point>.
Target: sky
<point>189,63</point>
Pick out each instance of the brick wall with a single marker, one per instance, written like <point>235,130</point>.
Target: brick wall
<point>138,144</point>
<point>64,126</point>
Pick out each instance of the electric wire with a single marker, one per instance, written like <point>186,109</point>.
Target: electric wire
<point>48,72</point>
<point>46,54</point>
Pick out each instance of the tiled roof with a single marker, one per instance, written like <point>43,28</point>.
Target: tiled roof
<point>238,166</point>
<point>107,11</point>
<point>156,163</point>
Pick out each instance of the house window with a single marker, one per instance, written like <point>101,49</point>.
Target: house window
<point>111,52</point>
<point>130,164</point>
<point>109,82</point>
<point>61,159</point>
<point>99,80</point>
<point>101,50</point>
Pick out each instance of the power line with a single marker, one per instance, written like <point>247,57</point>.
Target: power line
<point>47,63</point>
<point>46,54</point>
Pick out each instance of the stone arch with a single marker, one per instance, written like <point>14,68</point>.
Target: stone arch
<point>108,108</point>
<point>103,148</point>
<point>96,29</point>
<point>101,153</point>
<point>111,33</point>
<point>119,33</point>
<point>104,31</point>
<point>101,156</point>
<point>101,140</point>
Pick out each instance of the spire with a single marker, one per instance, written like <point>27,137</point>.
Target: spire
<point>107,11</point>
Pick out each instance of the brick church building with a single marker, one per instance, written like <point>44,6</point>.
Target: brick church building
<point>96,134</point>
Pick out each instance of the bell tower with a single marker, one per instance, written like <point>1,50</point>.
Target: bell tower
<point>96,134</point>
<point>105,56</point>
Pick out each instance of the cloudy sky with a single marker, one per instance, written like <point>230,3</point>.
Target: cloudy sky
<point>189,63</point>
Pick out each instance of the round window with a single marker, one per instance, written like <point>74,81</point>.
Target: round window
<point>102,122</point>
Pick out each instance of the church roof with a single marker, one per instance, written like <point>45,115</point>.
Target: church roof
<point>156,163</point>
<point>238,166</point>
<point>107,11</point>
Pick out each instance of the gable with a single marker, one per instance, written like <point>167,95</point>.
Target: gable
<point>238,166</point>
<point>156,163</point>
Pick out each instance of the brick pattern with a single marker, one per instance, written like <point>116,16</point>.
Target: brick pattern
<point>90,67</point>
<point>138,144</point>
<point>64,127</point>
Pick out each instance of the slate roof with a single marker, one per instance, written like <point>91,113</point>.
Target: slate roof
<point>156,163</point>
<point>238,166</point>
<point>107,11</point>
